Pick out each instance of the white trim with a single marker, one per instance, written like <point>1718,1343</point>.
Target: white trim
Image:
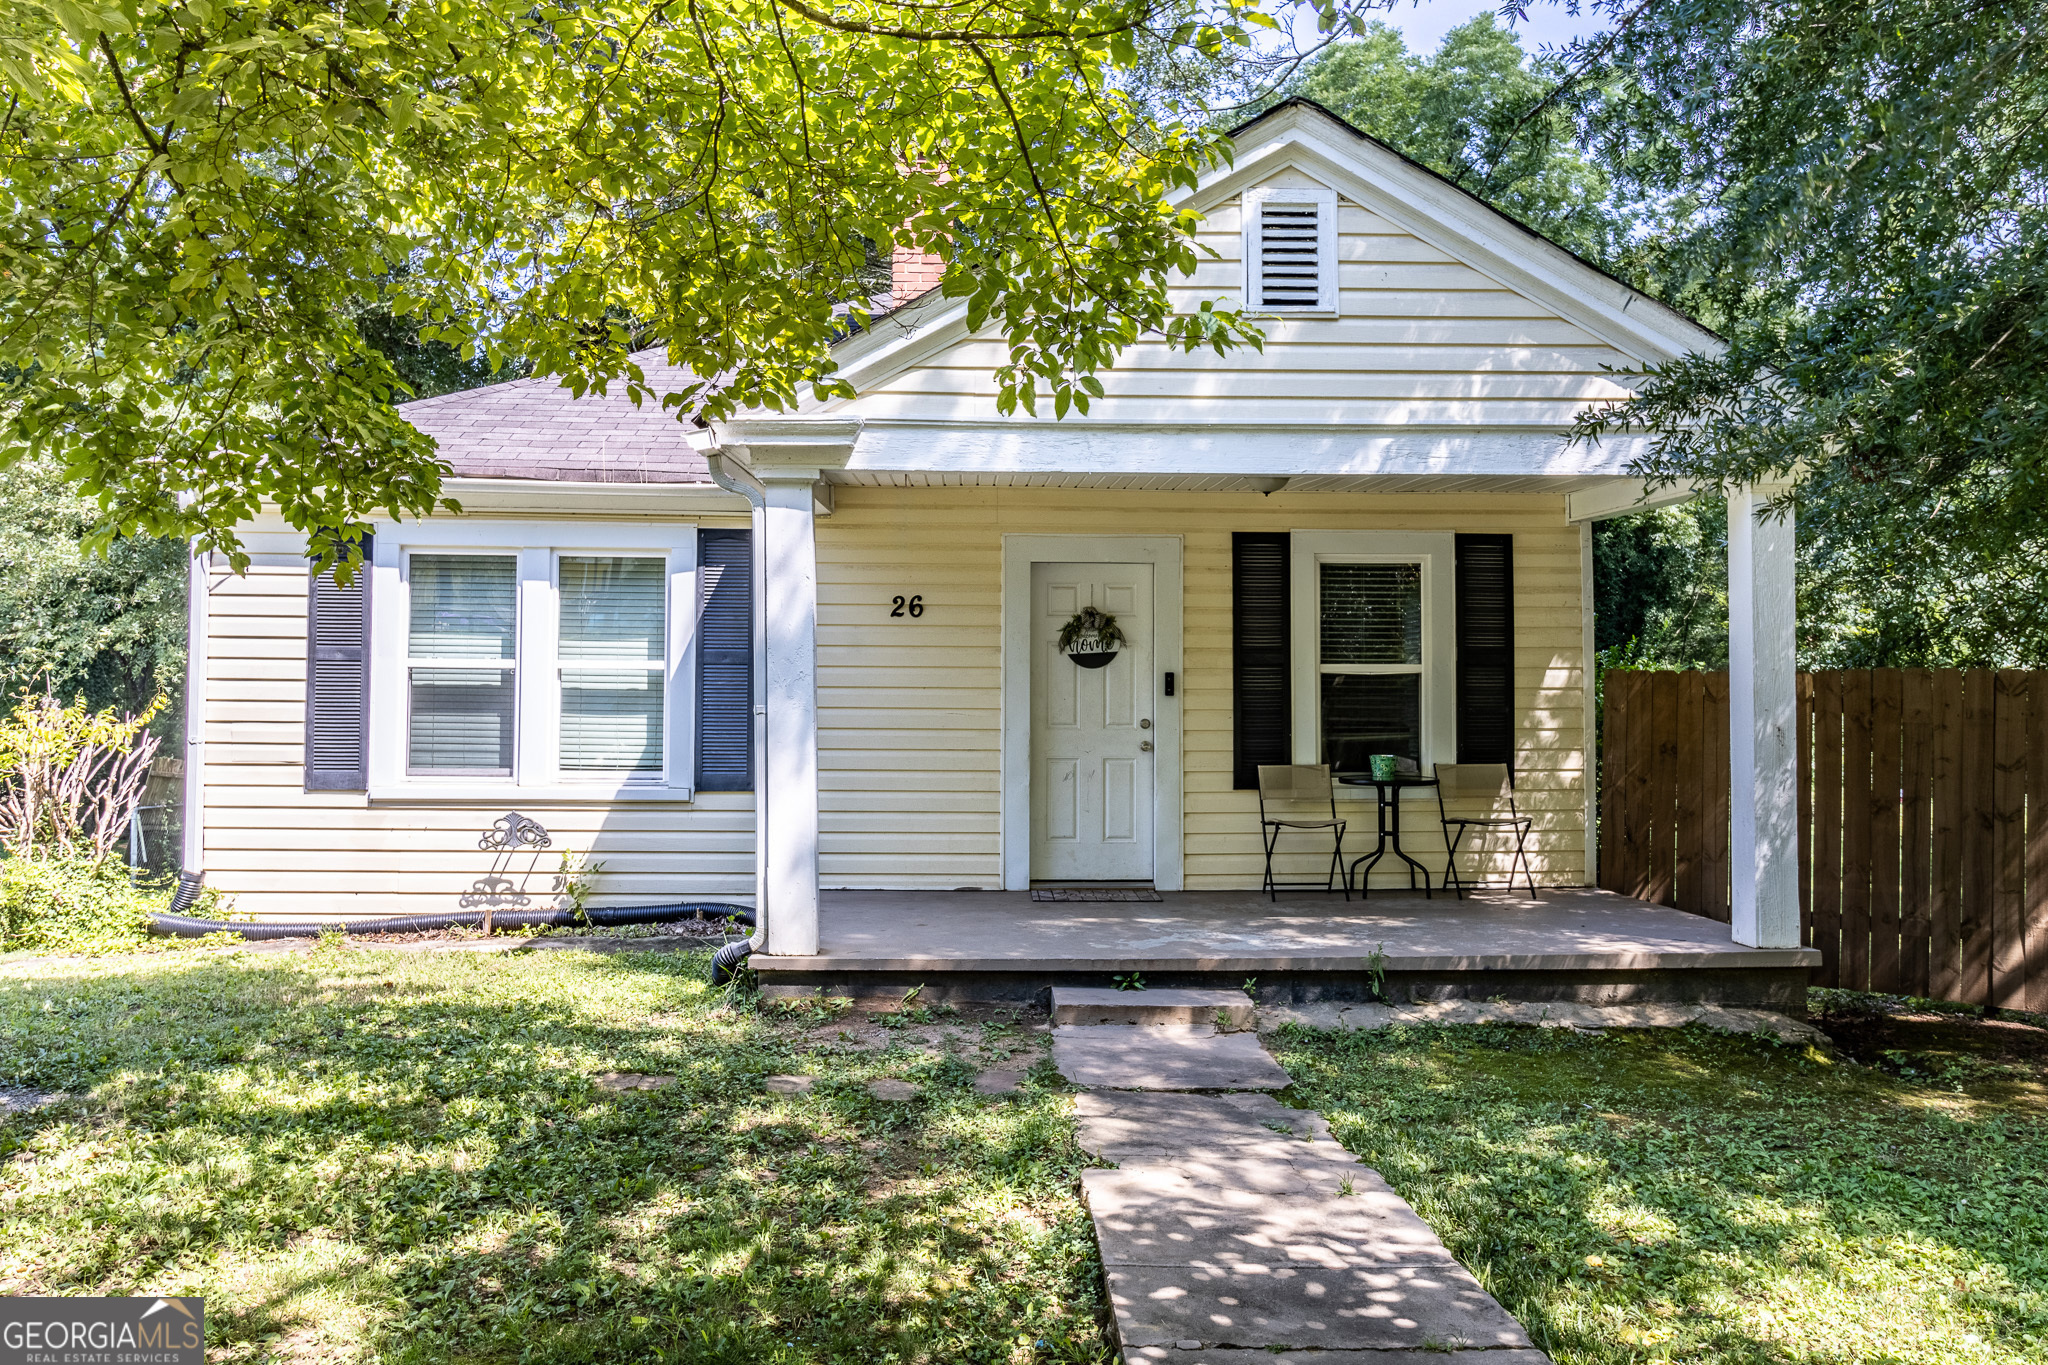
<point>1325,202</point>
<point>1763,845</point>
<point>1589,739</point>
<point>552,497</point>
<point>1620,497</point>
<point>537,546</point>
<point>198,586</point>
<point>1436,552</point>
<point>1020,552</point>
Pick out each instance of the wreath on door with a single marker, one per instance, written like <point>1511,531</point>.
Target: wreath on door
<point>1090,638</point>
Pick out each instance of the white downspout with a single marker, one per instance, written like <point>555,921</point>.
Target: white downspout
<point>193,854</point>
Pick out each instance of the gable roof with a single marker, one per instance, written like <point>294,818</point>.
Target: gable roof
<point>536,429</point>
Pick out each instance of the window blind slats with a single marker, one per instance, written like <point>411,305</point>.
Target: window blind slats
<point>464,607</point>
<point>1371,613</point>
<point>1260,672</point>
<point>614,608</point>
<point>725,661</point>
<point>1486,648</point>
<point>462,720</point>
<point>611,721</point>
<point>1371,713</point>
<point>338,680</point>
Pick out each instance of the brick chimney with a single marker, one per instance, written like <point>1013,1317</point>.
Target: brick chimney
<point>912,272</point>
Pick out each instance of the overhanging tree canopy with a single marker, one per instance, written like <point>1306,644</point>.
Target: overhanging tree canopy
<point>202,197</point>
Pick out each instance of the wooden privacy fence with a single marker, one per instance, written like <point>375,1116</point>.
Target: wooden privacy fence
<point>1923,820</point>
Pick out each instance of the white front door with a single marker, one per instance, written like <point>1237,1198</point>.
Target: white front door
<point>1091,729</point>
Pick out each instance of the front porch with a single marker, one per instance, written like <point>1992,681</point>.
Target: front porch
<point>1586,946</point>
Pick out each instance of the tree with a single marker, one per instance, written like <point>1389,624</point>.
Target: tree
<point>203,198</point>
<point>1852,193</point>
<point>108,626</point>
<point>1460,112</point>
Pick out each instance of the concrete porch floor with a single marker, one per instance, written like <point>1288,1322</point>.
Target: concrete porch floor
<point>1568,944</point>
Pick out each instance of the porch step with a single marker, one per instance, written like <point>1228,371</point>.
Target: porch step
<point>1227,1011</point>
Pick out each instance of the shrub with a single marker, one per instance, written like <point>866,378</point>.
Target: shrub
<point>73,905</point>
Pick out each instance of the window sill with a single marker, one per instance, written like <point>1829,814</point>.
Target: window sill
<point>503,793</point>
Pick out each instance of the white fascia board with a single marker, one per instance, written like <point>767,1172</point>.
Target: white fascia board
<point>1623,496</point>
<point>1071,447</point>
<point>549,497</point>
<point>1461,227</point>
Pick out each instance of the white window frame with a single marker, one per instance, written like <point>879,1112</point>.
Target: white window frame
<point>539,547</point>
<point>1327,301</point>
<point>1435,554</point>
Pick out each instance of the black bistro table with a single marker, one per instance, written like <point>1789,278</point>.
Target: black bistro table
<point>1389,790</point>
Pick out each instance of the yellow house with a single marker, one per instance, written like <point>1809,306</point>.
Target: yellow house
<point>821,652</point>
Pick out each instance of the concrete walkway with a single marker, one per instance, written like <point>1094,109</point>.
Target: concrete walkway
<point>1237,1230</point>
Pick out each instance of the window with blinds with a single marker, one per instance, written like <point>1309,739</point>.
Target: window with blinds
<point>1290,250</point>
<point>612,652</point>
<point>461,668</point>
<point>1369,662</point>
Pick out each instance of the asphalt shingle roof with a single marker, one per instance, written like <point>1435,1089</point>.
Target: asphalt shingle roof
<point>534,429</point>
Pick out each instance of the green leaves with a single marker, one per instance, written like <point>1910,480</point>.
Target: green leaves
<point>205,199</point>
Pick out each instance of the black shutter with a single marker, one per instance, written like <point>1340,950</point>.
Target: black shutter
<point>1486,649</point>
<point>725,661</point>
<point>338,680</point>
<point>1260,674</point>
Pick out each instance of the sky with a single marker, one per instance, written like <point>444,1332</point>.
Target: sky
<point>1423,25</point>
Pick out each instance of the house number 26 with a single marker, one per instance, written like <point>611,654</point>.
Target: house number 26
<point>908,606</point>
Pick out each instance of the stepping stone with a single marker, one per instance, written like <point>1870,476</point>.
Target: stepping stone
<point>1119,1057</point>
<point>1432,1307</point>
<point>999,1081</point>
<point>892,1090</point>
<point>1101,1005</point>
<point>1132,1126</point>
<point>631,1080</point>
<point>790,1085</point>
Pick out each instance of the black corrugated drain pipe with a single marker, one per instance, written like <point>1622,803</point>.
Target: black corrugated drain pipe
<point>184,926</point>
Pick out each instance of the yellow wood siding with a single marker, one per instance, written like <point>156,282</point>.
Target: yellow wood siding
<point>1420,339</point>
<point>284,852</point>
<point>909,710</point>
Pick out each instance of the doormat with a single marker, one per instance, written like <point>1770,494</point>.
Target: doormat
<point>1085,893</point>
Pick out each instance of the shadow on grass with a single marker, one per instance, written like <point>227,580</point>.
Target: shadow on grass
<point>1691,1196</point>
<point>362,1154</point>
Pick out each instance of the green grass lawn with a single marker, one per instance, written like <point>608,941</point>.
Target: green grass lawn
<point>365,1154</point>
<point>361,1154</point>
<point>1692,1197</point>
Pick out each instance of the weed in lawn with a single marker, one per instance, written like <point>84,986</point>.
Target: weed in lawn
<point>1694,1197</point>
<point>361,1155</point>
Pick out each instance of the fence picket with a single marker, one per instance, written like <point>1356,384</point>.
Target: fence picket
<point>1714,861</point>
<point>1916,764</point>
<point>1826,905</point>
<point>1856,829</point>
<point>1945,896</point>
<point>1688,803</point>
<point>1887,708</point>
<point>1664,721</point>
<point>1642,757</point>
<point>2008,923</point>
<point>2036,905</point>
<point>1980,842</point>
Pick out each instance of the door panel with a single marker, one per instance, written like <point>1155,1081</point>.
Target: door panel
<point>1091,761</point>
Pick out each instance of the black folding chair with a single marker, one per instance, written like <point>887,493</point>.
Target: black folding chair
<point>1486,786</point>
<point>1300,796</point>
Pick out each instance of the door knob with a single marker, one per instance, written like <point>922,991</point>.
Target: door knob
<point>1144,746</point>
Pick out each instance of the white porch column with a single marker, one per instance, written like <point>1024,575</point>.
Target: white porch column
<point>1762,722</point>
<point>787,456</point>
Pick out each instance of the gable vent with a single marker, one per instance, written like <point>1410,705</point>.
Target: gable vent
<point>1290,250</point>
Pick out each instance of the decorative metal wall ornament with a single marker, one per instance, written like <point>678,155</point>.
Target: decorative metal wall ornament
<point>1090,638</point>
<point>506,836</point>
